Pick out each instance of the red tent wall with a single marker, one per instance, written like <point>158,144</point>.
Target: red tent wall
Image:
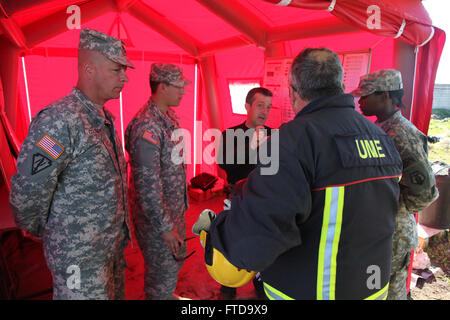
<point>427,64</point>
<point>46,85</point>
<point>241,63</point>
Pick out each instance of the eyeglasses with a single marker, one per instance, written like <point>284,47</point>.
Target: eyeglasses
<point>190,254</point>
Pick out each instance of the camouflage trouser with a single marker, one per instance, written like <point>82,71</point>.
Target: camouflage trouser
<point>399,274</point>
<point>161,269</point>
<point>95,282</point>
<point>404,241</point>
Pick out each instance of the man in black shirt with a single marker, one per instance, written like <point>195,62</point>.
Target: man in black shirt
<point>239,144</point>
<point>239,150</point>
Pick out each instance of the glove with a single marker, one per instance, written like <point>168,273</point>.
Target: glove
<point>204,221</point>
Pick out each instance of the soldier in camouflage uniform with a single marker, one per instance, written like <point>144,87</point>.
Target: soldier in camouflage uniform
<point>380,93</point>
<point>158,194</point>
<point>71,185</point>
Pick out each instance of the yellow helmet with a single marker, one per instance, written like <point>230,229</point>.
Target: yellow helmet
<point>223,271</point>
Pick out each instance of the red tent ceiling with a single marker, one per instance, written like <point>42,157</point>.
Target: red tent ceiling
<point>137,31</point>
<point>189,31</point>
<point>404,19</point>
<point>207,21</point>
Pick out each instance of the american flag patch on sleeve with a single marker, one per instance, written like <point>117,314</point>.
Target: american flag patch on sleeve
<point>150,137</point>
<point>50,146</point>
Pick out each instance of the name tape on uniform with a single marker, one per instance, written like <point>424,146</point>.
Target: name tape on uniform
<point>53,148</point>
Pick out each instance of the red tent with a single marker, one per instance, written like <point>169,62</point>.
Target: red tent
<point>217,43</point>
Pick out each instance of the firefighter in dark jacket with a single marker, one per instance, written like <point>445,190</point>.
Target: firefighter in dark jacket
<point>320,227</point>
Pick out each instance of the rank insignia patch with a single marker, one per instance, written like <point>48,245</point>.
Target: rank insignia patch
<point>51,147</point>
<point>150,137</point>
<point>40,163</point>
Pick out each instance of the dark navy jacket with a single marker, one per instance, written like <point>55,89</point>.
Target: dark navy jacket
<point>321,227</point>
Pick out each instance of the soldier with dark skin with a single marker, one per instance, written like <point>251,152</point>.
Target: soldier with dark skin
<point>158,193</point>
<point>381,93</point>
<point>71,185</point>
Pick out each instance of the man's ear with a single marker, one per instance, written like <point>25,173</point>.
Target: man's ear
<point>293,95</point>
<point>247,107</point>
<point>89,70</point>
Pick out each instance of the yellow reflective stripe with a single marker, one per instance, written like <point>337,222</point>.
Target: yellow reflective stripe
<point>329,242</point>
<point>379,295</point>
<point>337,236</point>
<point>323,239</point>
<point>274,294</point>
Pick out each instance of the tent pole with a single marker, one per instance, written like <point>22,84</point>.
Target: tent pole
<point>13,32</point>
<point>209,79</point>
<point>199,96</point>
<point>53,25</point>
<point>316,28</point>
<point>275,50</point>
<point>162,25</point>
<point>251,25</point>
<point>405,62</point>
<point>25,79</point>
<point>194,166</point>
<point>9,69</point>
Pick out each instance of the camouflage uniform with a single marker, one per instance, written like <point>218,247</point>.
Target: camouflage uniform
<point>417,191</point>
<point>158,193</point>
<point>71,190</point>
<point>417,185</point>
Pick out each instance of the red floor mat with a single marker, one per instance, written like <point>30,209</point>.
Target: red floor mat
<point>33,279</point>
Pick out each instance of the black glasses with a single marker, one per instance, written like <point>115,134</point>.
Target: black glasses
<point>190,254</point>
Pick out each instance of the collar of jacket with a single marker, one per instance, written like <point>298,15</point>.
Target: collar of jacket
<point>170,118</point>
<point>93,109</point>
<point>339,101</point>
<point>394,118</point>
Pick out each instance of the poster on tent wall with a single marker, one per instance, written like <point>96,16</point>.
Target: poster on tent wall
<point>276,71</point>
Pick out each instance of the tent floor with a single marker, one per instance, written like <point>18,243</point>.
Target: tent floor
<point>31,278</point>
